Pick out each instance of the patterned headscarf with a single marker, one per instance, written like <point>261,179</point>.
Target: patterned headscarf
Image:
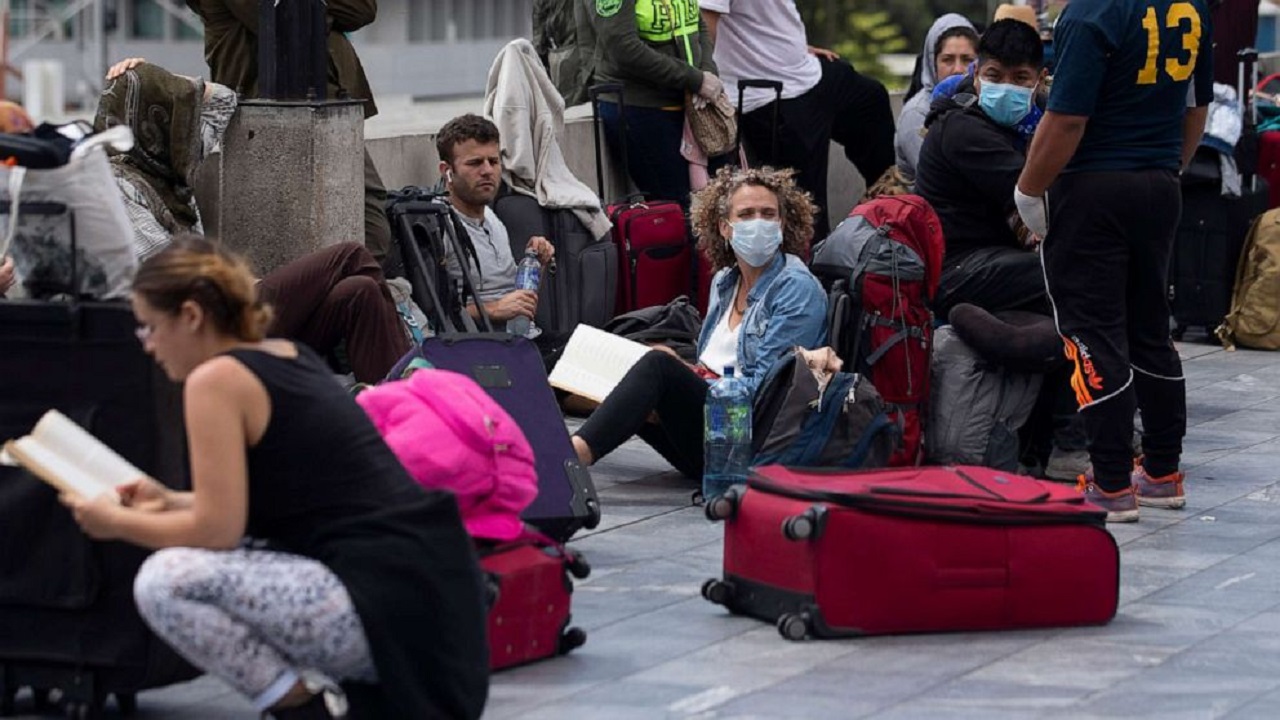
<point>163,110</point>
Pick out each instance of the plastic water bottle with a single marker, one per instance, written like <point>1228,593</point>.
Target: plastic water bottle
<point>528,275</point>
<point>727,423</point>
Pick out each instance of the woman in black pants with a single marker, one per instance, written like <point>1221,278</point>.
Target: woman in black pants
<point>753,225</point>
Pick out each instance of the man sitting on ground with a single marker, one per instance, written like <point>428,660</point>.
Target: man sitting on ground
<point>471,163</point>
<point>969,164</point>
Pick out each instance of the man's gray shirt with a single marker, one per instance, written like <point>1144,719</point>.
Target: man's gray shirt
<point>497,273</point>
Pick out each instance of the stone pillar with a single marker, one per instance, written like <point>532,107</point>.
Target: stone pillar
<point>292,179</point>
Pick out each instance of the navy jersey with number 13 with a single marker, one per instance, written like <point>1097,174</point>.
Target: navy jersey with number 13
<point>1132,67</point>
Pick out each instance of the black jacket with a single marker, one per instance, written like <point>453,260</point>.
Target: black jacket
<point>968,169</point>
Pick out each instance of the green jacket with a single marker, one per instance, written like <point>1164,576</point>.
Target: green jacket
<point>569,61</point>
<point>231,46</point>
<point>657,49</point>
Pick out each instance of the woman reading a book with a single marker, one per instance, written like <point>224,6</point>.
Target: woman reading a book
<point>304,556</point>
<point>753,225</point>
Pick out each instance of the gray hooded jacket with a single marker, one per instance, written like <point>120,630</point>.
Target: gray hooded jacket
<point>909,137</point>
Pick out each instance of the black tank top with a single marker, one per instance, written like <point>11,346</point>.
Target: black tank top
<point>320,459</point>
<point>322,483</point>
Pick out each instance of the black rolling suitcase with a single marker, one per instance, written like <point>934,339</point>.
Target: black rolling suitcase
<point>67,617</point>
<point>1213,227</point>
<point>510,369</point>
<point>1207,249</point>
<point>582,284</point>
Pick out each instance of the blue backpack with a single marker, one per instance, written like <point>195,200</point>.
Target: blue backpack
<point>798,422</point>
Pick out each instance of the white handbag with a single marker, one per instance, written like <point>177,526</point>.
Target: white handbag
<point>74,211</point>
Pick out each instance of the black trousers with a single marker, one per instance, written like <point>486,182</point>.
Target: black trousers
<point>1106,261</point>
<point>337,294</point>
<point>662,385</point>
<point>994,279</point>
<point>844,106</point>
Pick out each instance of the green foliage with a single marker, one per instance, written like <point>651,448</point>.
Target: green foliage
<point>867,37</point>
<point>863,30</point>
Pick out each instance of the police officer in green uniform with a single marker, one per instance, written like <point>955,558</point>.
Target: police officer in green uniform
<point>660,51</point>
<point>1128,107</point>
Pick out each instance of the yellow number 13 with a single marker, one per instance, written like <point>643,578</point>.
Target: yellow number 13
<point>1183,16</point>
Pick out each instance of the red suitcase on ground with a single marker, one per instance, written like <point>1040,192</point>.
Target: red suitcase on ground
<point>530,591</point>
<point>827,554</point>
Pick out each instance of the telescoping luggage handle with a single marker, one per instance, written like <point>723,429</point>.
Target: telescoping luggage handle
<point>776,87</point>
<point>1248,56</point>
<point>449,230</point>
<point>594,92</point>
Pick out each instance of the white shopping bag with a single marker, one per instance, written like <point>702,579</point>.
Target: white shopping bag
<point>39,237</point>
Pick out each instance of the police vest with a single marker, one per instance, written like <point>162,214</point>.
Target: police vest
<point>665,20</point>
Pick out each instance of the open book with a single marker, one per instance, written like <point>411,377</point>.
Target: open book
<point>594,362</point>
<point>63,454</point>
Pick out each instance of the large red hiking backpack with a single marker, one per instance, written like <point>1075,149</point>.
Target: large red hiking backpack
<point>881,268</point>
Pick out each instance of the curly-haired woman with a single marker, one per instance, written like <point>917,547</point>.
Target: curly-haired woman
<point>753,225</point>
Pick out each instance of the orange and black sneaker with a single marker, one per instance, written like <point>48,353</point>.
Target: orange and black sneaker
<point>1121,505</point>
<point>1162,492</point>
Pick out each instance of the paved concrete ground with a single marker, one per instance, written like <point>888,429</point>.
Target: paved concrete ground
<point>1197,636</point>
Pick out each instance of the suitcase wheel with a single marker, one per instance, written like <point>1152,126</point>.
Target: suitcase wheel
<point>577,564</point>
<point>593,514</point>
<point>805,526</point>
<point>793,626</point>
<point>722,507</point>
<point>82,710</point>
<point>717,591</point>
<point>492,590</point>
<point>127,703</point>
<point>574,637</point>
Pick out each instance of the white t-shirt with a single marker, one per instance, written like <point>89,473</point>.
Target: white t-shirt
<point>762,40</point>
<point>722,346</point>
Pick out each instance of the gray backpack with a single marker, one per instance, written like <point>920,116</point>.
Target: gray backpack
<point>975,407</point>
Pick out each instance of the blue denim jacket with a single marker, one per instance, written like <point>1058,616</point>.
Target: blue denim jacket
<point>786,307</point>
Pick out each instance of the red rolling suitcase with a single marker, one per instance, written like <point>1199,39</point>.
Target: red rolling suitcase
<point>530,591</point>
<point>838,553</point>
<point>1269,164</point>
<point>655,255</point>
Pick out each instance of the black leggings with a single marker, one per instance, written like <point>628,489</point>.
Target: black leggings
<point>661,384</point>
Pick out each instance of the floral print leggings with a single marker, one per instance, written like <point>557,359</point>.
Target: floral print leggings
<point>257,619</point>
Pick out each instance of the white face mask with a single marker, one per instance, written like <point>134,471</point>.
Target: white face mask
<point>755,241</point>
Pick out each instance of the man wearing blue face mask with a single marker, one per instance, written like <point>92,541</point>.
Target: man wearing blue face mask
<point>969,164</point>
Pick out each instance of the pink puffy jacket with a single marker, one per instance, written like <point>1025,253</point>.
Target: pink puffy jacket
<point>450,435</point>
